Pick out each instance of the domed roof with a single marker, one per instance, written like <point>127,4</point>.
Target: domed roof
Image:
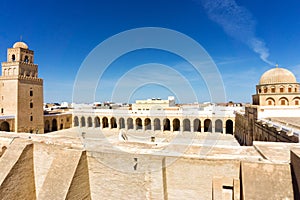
<point>20,45</point>
<point>277,75</point>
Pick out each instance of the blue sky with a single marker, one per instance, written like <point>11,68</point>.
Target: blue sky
<point>242,37</point>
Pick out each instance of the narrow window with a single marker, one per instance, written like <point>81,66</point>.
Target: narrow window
<point>296,102</point>
<point>31,105</point>
<point>281,90</point>
<point>273,90</point>
<point>2,110</point>
<point>282,102</point>
<point>31,93</point>
<point>13,57</point>
<point>259,90</point>
<point>265,90</point>
<point>295,89</point>
<point>31,118</point>
<point>270,102</point>
<point>290,90</point>
<point>26,59</point>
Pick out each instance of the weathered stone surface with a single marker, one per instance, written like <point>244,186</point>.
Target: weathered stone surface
<point>60,176</point>
<point>17,172</point>
<point>80,186</point>
<point>295,165</point>
<point>60,169</point>
<point>266,181</point>
<point>193,178</point>
<point>113,176</point>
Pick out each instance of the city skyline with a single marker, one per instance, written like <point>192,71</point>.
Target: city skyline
<point>243,38</point>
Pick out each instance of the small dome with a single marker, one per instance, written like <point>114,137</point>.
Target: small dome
<point>277,75</point>
<point>22,45</point>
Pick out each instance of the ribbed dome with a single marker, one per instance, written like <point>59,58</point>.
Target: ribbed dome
<point>277,75</point>
<point>20,45</point>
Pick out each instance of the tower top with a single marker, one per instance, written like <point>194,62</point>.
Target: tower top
<point>22,45</point>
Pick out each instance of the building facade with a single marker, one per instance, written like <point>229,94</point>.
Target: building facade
<point>208,119</point>
<point>275,112</point>
<point>22,90</point>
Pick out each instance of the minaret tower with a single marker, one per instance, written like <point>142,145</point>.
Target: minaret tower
<point>21,91</point>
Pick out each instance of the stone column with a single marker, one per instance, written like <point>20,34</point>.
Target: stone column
<point>126,125</point>
<point>152,125</point>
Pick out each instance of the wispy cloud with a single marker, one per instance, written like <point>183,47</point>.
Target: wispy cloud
<point>238,23</point>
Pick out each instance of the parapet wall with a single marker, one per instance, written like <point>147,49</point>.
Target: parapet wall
<point>49,169</point>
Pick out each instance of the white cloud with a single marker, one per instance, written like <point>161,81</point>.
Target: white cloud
<point>238,23</point>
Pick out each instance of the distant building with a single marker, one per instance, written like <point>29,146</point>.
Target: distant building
<point>275,112</point>
<point>21,91</point>
<point>277,87</point>
<point>21,96</point>
<point>154,104</point>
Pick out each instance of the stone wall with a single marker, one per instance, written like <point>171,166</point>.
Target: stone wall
<point>262,181</point>
<point>295,165</point>
<point>248,129</point>
<point>45,167</point>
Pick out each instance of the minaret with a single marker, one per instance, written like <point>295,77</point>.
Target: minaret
<point>21,90</point>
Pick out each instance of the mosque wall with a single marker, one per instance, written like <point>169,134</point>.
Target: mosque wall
<point>249,128</point>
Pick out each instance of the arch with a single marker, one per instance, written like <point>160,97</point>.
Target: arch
<point>82,121</point>
<point>197,125</point>
<point>176,124</point>
<point>104,122</point>
<point>4,126</point>
<point>270,101</point>
<point>283,101</point>
<point>130,123</point>
<point>26,59</point>
<point>113,122</point>
<point>229,126</point>
<point>156,124</point>
<point>296,101</point>
<point>219,126</point>
<point>54,125</point>
<point>76,121</point>
<point>121,123</point>
<point>207,125</point>
<point>147,123</point>
<point>186,125</point>
<point>47,126</point>
<point>97,122</point>
<point>138,123</point>
<point>89,122</point>
<point>166,123</point>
